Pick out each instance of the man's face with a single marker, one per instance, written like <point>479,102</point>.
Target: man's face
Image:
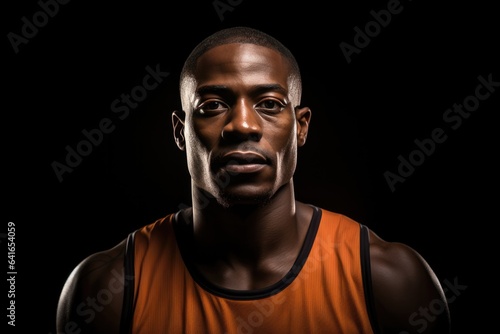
<point>240,126</point>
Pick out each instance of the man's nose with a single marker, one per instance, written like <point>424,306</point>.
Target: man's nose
<point>243,123</point>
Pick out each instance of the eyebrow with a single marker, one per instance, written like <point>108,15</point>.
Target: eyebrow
<point>257,89</point>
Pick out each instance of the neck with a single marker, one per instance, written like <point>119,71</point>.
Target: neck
<point>247,234</point>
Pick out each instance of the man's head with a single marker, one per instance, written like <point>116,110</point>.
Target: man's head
<point>242,123</point>
<point>241,35</point>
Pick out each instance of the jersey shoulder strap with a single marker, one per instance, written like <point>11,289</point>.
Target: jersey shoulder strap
<point>128,288</point>
<point>367,276</point>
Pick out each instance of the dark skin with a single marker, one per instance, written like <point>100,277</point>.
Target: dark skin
<point>241,127</point>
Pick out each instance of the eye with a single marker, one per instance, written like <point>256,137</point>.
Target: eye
<point>270,106</point>
<point>210,108</point>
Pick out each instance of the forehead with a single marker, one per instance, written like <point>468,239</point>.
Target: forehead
<point>241,61</point>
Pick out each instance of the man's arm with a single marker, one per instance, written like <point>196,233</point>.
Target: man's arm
<point>408,295</point>
<point>91,299</point>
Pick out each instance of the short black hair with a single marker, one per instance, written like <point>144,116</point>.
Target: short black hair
<point>241,34</point>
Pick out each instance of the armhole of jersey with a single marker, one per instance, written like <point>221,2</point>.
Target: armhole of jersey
<point>128,289</point>
<point>367,278</point>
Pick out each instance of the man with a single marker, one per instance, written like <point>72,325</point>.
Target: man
<point>246,257</point>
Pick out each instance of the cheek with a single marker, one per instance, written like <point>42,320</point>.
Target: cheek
<point>284,142</point>
<point>197,156</point>
<point>284,138</point>
<point>201,138</point>
<point>289,154</point>
<point>194,147</point>
<point>203,134</point>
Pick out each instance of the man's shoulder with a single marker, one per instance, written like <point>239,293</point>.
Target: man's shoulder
<point>158,223</point>
<point>157,231</point>
<point>338,217</point>
<point>101,264</point>
<point>100,274</point>
<point>399,270</point>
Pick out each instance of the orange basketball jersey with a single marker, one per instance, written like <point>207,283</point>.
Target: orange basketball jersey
<point>328,289</point>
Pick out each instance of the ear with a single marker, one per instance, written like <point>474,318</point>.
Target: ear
<point>303,116</point>
<point>178,126</point>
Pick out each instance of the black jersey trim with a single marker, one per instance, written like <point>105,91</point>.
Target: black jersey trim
<point>183,232</point>
<point>367,277</point>
<point>128,288</point>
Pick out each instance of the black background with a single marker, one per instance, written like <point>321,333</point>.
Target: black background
<point>365,114</point>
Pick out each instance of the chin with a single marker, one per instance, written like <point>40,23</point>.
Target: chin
<point>230,200</point>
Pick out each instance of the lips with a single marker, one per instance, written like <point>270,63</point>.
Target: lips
<point>238,162</point>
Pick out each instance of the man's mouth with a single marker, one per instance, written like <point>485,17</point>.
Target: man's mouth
<point>240,162</point>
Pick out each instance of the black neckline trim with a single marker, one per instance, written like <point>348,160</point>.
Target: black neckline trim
<point>183,231</point>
